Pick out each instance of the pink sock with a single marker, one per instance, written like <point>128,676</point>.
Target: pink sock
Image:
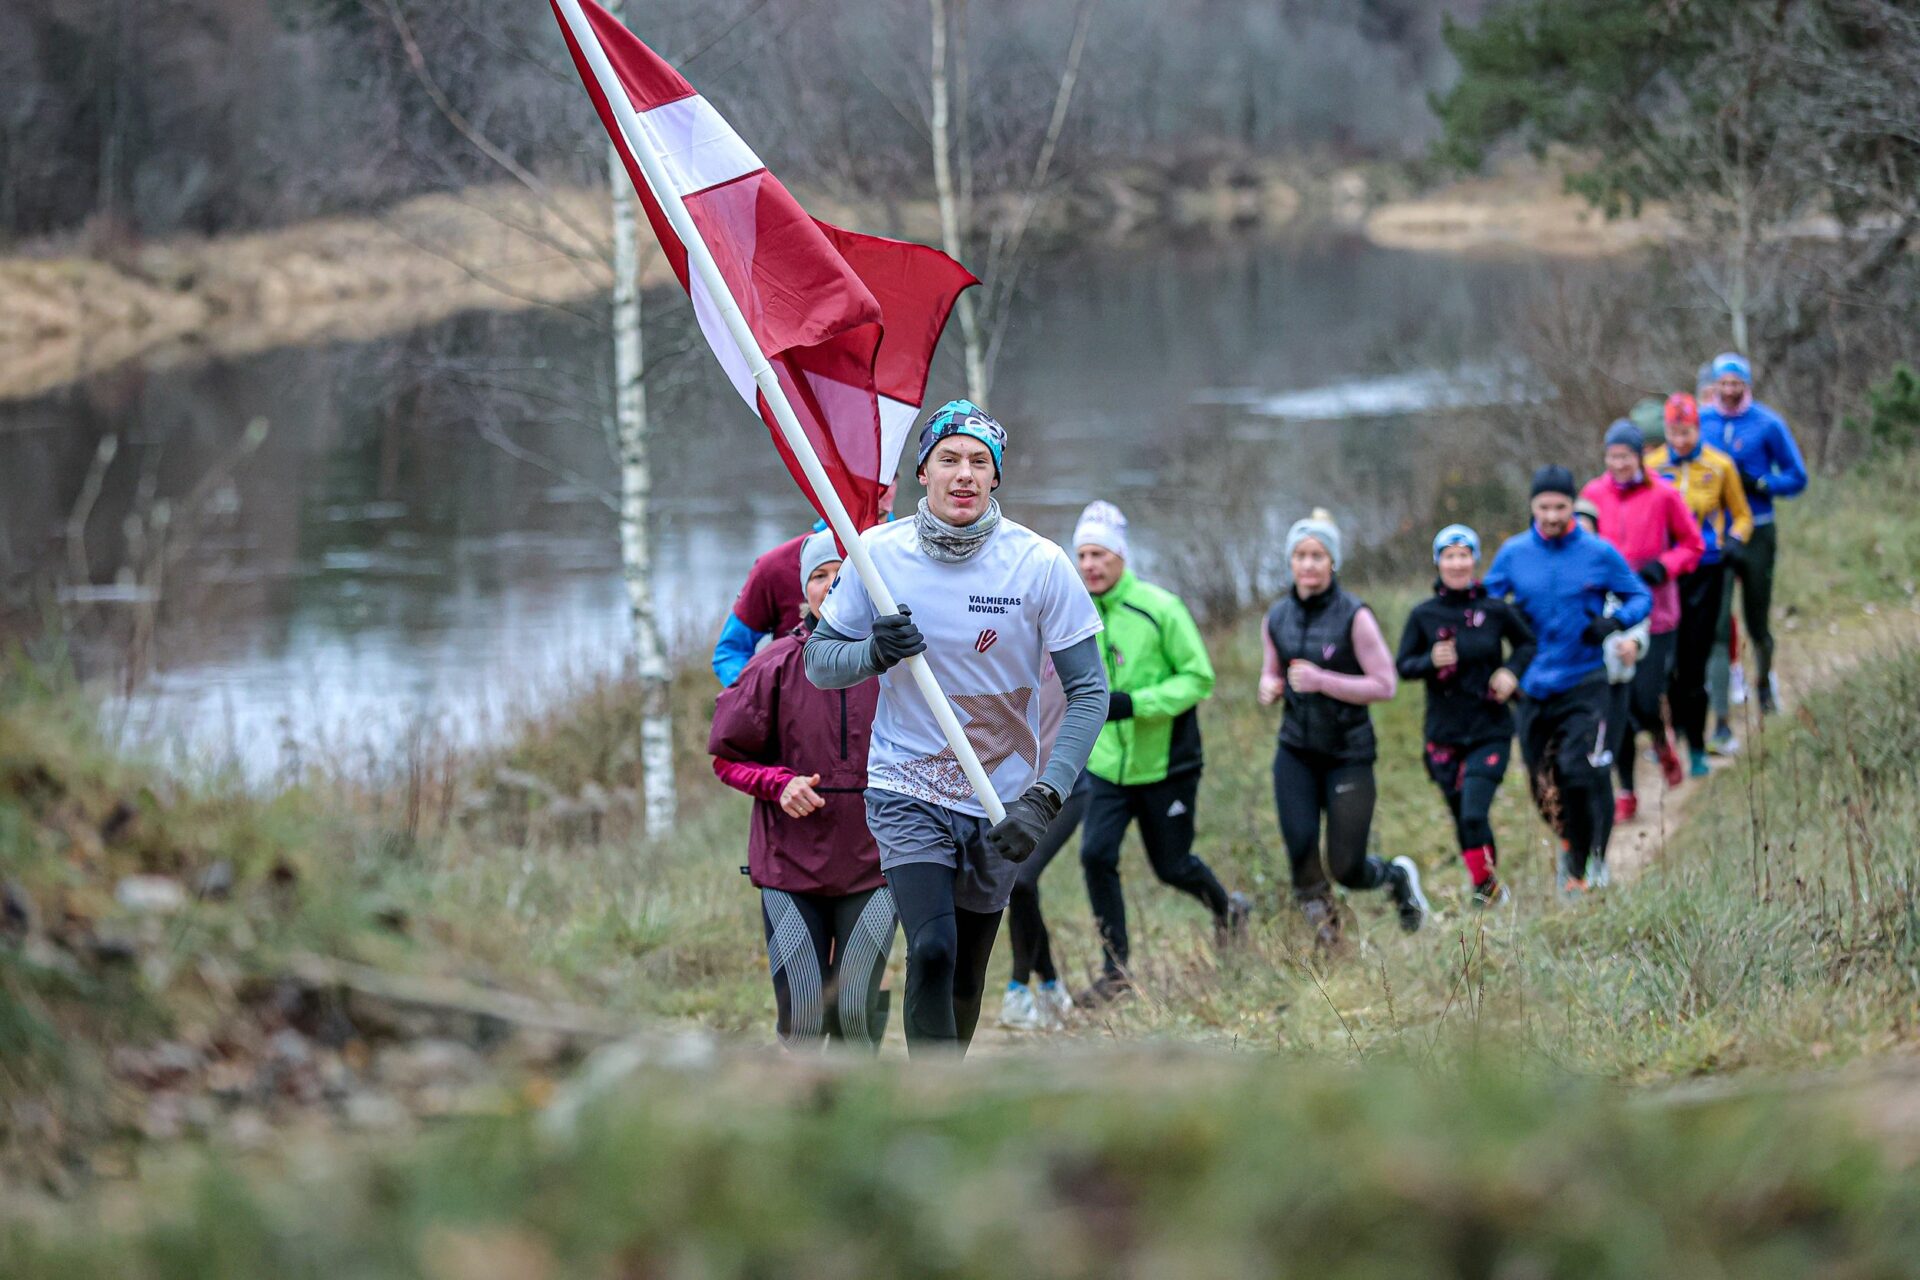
<point>1479,862</point>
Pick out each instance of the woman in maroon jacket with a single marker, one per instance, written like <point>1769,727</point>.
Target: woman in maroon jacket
<point>801,753</point>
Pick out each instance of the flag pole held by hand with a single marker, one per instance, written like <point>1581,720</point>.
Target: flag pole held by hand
<point>700,259</point>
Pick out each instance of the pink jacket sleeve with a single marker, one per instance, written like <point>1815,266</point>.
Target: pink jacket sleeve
<point>1688,546</point>
<point>761,781</point>
<point>1379,682</point>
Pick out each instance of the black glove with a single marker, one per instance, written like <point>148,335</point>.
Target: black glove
<point>1653,573</point>
<point>1735,552</point>
<point>895,639</point>
<point>1119,705</point>
<point>1014,836</point>
<point>1755,484</point>
<point>1600,628</point>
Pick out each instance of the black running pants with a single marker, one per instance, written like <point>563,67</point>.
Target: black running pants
<point>1699,615</point>
<point>1026,928</point>
<point>947,953</point>
<point>1164,811</point>
<point>1649,686</point>
<point>1308,786</point>
<point>1567,744</point>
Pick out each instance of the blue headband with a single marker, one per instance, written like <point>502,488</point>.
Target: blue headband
<point>1456,535</point>
<point>1734,363</point>
<point>963,418</point>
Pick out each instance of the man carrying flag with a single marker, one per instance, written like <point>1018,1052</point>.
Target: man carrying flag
<point>829,335</point>
<point>991,600</point>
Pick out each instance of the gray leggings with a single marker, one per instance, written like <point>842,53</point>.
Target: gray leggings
<point>827,954</point>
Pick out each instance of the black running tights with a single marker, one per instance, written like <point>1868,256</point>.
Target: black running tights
<point>1306,785</point>
<point>1027,935</point>
<point>947,953</point>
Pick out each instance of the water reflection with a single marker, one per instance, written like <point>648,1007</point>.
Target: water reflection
<point>424,531</point>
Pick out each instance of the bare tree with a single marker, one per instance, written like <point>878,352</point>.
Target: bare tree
<point>627,428</point>
<point>983,323</point>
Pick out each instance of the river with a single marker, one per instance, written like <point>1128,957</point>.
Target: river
<point>382,562</point>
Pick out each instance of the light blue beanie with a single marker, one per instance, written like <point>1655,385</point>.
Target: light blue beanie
<point>1456,535</point>
<point>1732,362</point>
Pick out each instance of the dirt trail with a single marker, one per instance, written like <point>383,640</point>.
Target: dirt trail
<point>1808,660</point>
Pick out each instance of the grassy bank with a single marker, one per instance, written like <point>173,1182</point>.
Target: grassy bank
<point>138,909</point>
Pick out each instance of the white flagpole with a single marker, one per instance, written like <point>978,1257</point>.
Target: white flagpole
<point>700,258</point>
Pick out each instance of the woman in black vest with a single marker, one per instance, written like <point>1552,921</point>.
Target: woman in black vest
<point>1454,641</point>
<point>1326,660</point>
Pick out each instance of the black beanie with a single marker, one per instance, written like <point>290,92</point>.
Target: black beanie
<point>1552,480</point>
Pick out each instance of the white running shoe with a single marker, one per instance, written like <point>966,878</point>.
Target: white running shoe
<point>1407,897</point>
<point>1017,1010</point>
<point>1052,1005</point>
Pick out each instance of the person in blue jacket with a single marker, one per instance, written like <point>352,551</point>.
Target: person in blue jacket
<point>1560,576</point>
<point>1763,449</point>
<point>766,606</point>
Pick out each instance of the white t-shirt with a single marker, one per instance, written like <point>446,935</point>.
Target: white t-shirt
<point>990,622</point>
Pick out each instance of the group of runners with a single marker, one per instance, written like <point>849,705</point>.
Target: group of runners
<point>1079,683</point>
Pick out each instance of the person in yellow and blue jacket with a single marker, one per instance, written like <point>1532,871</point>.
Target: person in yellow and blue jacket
<point>1710,483</point>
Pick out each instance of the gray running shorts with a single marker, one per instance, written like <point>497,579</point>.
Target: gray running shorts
<point>910,830</point>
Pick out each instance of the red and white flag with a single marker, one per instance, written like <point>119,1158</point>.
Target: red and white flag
<point>849,322</point>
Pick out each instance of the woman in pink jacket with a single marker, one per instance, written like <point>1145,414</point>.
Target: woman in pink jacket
<point>1648,523</point>
<point>801,753</point>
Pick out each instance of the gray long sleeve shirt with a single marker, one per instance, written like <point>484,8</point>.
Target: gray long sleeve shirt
<point>835,661</point>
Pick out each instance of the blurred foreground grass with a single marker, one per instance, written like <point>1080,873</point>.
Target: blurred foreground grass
<point>1122,1163</point>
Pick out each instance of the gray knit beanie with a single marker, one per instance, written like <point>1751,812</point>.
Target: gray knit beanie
<point>818,549</point>
<point>1320,527</point>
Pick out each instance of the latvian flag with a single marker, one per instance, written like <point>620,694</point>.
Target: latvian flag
<point>848,321</point>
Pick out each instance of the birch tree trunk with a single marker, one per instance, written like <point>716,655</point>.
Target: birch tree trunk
<point>636,492</point>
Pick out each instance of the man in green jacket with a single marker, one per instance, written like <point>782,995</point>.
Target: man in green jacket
<point>1145,765</point>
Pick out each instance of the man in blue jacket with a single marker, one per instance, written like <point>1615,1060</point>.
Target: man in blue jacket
<point>1560,576</point>
<point>1763,448</point>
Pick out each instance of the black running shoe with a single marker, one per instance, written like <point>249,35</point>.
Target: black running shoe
<point>1323,916</point>
<point>1232,927</point>
<point>1108,988</point>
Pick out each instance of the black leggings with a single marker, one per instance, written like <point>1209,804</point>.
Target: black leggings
<point>1564,739</point>
<point>947,953</point>
<point>827,954</point>
<point>1026,927</point>
<point>1699,614</point>
<point>1469,776</point>
<point>1164,811</point>
<point>1643,705</point>
<point>1307,784</point>
<point>1754,571</point>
